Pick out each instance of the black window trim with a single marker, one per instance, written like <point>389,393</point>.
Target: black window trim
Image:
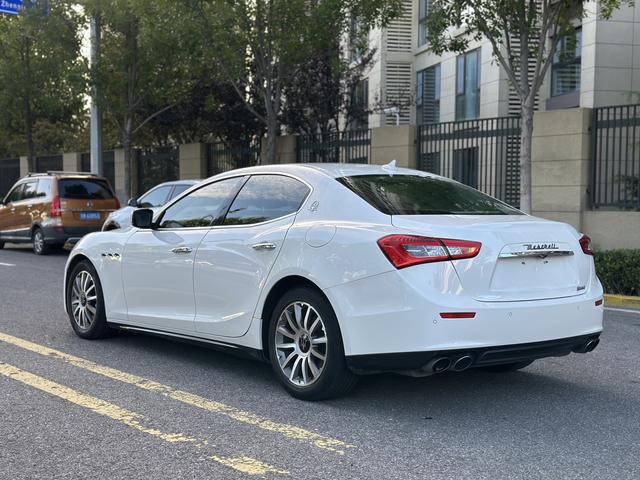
<point>219,222</point>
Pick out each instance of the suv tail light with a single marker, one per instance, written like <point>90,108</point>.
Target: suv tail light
<point>56,207</point>
<point>117,201</point>
<point>585,243</point>
<point>407,250</point>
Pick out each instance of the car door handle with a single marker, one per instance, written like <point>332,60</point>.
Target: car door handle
<point>13,210</point>
<point>179,250</point>
<point>264,246</point>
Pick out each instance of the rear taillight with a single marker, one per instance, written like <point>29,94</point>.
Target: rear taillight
<point>585,243</point>
<point>117,202</point>
<point>56,207</point>
<point>407,250</point>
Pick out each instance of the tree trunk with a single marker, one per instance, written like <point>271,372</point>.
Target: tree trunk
<point>272,131</point>
<point>526,136</point>
<point>128,153</point>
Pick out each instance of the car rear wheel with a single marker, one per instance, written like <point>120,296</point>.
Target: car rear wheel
<point>305,347</point>
<point>507,367</point>
<point>40,247</point>
<point>86,303</point>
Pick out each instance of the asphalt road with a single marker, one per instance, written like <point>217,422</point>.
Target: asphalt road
<point>206,414</point>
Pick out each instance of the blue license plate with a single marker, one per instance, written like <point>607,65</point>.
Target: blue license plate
<point>89,215</point>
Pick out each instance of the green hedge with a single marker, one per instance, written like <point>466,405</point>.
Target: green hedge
<point>619,271</point>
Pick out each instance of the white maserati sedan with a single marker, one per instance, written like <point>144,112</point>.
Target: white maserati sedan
<point>328,271</point>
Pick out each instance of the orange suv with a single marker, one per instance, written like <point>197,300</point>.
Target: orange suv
<point>52,209</point>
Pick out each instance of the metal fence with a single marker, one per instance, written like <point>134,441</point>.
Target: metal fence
<point>9,174</point>
<point>156,166</point>
<point>483,154</point>
<point>49,163</point>
<point>108,165</point>
<point>351,146</point>
<point>222,157</point>
<point>615,180</point>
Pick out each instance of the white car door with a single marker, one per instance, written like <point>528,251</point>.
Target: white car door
<point>157,264</point>
<point>235,257</point>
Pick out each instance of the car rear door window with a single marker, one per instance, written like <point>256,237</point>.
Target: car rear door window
<point>202,207</point>
<point>30,190</point>
<point>156,197</point>
<point>84,189</point>
<point>266,197</point>
<point>423,195</point>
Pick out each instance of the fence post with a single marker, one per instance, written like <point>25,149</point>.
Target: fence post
<point>24,166</point>
<point>193,161</point>
<point>71,162</point>
<point>394,143</point>
<point>118,168</point>
<point>561,158</point>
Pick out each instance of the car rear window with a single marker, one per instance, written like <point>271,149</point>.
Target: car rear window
<point>84,189</point>
<point>423,195</point>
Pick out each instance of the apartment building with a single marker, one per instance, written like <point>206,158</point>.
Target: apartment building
<point>599,66</point>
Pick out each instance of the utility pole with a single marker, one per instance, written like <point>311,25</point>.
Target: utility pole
<point>96,117</point>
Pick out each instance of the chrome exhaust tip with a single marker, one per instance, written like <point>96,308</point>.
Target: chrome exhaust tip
<point>462,363</point>
<point>588,346</point>
<point>440,365</point>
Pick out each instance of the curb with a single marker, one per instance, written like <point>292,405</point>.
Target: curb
<point>621,301</point>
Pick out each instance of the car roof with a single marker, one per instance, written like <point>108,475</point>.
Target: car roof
<point>177,182</point>
<point>333,170</point>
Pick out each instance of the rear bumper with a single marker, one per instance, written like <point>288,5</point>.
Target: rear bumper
<point>70,235</point>
<point>481,357</point>
<point>393,313</point>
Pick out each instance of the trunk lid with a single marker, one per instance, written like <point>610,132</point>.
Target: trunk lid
<point>522,258</point>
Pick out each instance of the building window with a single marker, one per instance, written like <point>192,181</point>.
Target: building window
<point>360,106</point>
<point>468,85</point>
<point>422,22</point>
<point>428,95</point>
<point>565,70</point>
<point>356,38</point>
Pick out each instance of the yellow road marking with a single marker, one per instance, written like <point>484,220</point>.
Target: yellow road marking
<point>242,464</point>
<point>289,431</point>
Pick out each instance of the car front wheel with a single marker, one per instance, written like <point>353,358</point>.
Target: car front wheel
<point>305,347</point>
<point>86,303</point>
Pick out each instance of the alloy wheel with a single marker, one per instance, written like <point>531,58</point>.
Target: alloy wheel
<point>84,300</point>
<point>301,343</point>
<point>38,241</point>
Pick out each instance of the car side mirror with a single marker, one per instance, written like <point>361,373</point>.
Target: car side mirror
<point>133,202</point>
<point>142,218</point>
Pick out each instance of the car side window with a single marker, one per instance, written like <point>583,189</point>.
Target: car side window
<point>15,195</point>
<point>266,197</point>
<point>178,189</point>
<point>30,190</point>
<point>155,198</point>
<point>202,207</point>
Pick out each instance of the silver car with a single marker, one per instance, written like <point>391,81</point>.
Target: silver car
<point>153,199</point>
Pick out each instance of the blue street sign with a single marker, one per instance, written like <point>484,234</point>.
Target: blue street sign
<point>11,7</point>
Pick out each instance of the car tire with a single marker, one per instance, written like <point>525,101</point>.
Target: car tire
<point>40,247</point>
<point>303,330</point>
<point>507,367</point>
<point>85,303</point>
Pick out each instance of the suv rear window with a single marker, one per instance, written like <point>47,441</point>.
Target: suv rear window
<point>84,189</point>
<point>417,195</point>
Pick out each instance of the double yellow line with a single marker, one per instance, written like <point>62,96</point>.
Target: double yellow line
<point>243,464</point>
